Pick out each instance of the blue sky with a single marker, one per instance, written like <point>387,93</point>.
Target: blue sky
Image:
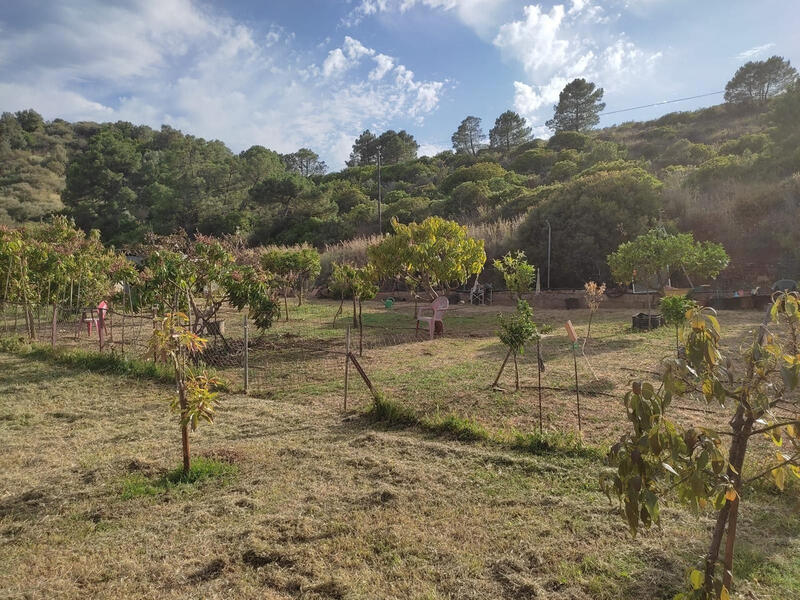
<point>293,73</point>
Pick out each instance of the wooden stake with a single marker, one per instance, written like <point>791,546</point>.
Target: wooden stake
<point>246,357</point>
<point>364,376</point>
<point>55,326</point>
<point>577,392</point>
<point>346,365</point>
<point>539,371</point>
<point>503,366</point>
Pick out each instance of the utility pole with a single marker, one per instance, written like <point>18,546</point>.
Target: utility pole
<point>380,220</point>
<point>549,236</point>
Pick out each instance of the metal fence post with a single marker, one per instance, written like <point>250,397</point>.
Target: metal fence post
<point>246,358</point>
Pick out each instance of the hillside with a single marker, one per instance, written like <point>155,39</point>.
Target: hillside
<point>728,173</point>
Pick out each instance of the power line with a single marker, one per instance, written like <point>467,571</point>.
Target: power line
<point>621,110</point>
<point>613,112</point>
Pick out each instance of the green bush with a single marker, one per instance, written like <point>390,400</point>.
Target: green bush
<point>537,160</point>
<point>563,170</point>
<point>478,172</point>
<point>753,142</point>
<point>568,139</point>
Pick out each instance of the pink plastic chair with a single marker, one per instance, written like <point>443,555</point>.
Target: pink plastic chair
<point>99,321</point>
<point>437,307</point>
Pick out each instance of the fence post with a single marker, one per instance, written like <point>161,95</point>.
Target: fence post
<point>246,358</point>
<point>101,325</point>
<point>577,390</point>
<point>346,365</point>
<point>55,325</point>
<point>155,326</point>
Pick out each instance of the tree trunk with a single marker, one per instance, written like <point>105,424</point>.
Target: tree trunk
<point>728,515</point>
<point>355,312</point>
<point>360,331</point>
<point>503,366</point>
<point>588,331</point>
<point>55,326</point>
<point>516,373</point>
<point>338,311</point>
<point>286,303</point>
<point>184,428</point>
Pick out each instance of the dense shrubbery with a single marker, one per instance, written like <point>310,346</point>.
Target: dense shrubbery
<point>128,180</point>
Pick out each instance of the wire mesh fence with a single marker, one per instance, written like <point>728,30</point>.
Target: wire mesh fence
<point>302,358</point>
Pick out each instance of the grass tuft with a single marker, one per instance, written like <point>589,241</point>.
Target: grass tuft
<point>137,485</point>
<point>391,412</point>
<point>558,442</point>
<point>463,429</point>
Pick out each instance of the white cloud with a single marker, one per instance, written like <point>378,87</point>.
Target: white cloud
<point>384,64</point>
<point>535,41</point>
<point>755,51</point>
<point>207,74</point>
<point>335,64</point>
<point>558,45</point>
<point>431,149</point>
<point>483,16</point>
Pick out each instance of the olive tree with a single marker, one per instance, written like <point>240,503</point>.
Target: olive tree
<point>431,257</point>
<point>660,456</point>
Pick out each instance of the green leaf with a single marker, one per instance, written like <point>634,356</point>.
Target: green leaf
<point>696,578</point>
<point>632,514</point>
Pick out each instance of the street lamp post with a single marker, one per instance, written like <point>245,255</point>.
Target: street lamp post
<point>549,236</point>
<point>380,220</point>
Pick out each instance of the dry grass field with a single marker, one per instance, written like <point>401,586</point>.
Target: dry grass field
<point>292,498</point>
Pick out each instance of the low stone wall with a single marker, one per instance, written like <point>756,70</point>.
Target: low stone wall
<point>553,299</point>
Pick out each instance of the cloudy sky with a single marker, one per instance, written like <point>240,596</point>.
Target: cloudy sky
<point>315,73</point>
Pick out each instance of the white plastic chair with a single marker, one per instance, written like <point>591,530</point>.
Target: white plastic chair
<point>438,308</point>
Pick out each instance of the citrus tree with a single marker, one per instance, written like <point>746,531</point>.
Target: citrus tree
<point>674,309</point>
<point>516,330</point>
<point>431,257</point>
<point>518,275</point>
<point>653,256</point>
<point>659,456</point>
